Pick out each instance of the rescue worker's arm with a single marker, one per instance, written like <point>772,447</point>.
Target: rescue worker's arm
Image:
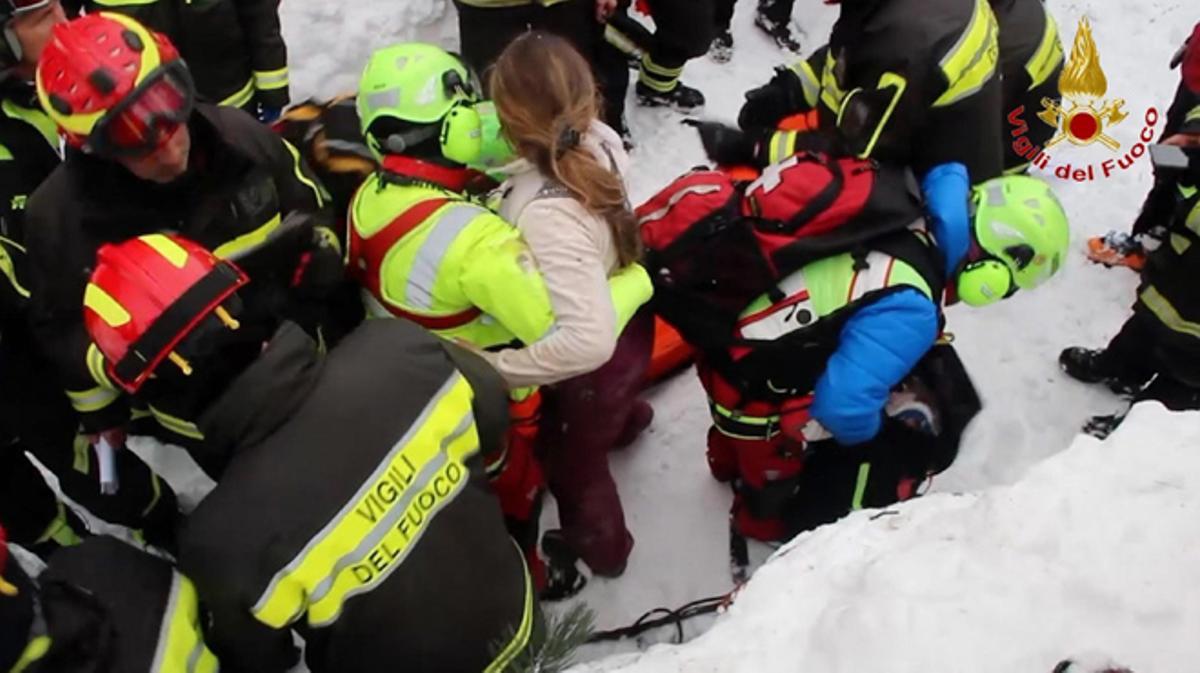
<point>586,316</point>
<point>304,201</point>
<point>879,345</point>
<point>240,642</point>
<point>792,90</point>
<point>947,191</point>
<point>268,52</point>
<point>56,317</point>
<point>14,296</point>
<point>501,278</point>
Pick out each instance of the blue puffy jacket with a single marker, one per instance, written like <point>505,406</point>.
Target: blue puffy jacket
<point>881,343</point>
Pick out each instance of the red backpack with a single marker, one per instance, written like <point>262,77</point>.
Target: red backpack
<point>713,245</point>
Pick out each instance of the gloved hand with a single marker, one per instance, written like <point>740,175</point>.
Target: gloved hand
<point>267,113</point>
<point>771,102</point>
<point>724,144</point>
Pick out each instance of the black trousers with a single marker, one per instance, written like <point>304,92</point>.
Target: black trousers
<point>777,11</point>
<point>1137,354</point>
<point>485,33</point>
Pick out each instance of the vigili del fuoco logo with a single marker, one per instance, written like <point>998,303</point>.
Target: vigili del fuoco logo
<point>1086,116</point>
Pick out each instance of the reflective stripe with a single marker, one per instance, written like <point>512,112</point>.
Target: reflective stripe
<point>831,92</point>
<point>1048,55</point>
<point>59,529</point>
<point>5,153</point>
<point>266,80</point>
<point>35,650</point>
<point>156,486</point>
<point>888,79</point>
<point>96,366</point>
<point>36,118</point>
<point>93,399</point>
<point>1192,115</point>
<point>860,487</point>
<point>661,71</point>
<point>657,84</point>
<point>177,425</point>
<point>971,62</point>
<point>1187,191</point>
<point>318,191</point>
<point>242,96</point>
<point>808,81</point>
<point>621,41</point>
<point>9,269</point>
<point>245,242</point>
<point>1167,313</point>
<point>1179,244</point>
<point>520,639</point>
<point>418,291</point>
<point>1193,218</point>
<point>783,145</point>
<point>423,469</point>
<point>180,649</point>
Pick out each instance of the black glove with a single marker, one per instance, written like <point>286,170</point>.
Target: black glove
<point>767,105</point>
<point>726,145</point>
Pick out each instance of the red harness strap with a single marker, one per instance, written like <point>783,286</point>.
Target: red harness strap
<point>366,261</point>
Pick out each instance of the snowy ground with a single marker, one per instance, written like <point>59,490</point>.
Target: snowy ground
<point>1087,549</point>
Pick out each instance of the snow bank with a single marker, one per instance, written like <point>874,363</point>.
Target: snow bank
<point>1096,548</point>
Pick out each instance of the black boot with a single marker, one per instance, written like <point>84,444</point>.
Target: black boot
<point>780,32</point>
<point>682,98</point>
<point>563,575</point>
<point>1088,366</point>
<point>721,50</point>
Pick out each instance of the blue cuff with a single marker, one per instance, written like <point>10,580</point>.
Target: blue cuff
<point>947,191</point>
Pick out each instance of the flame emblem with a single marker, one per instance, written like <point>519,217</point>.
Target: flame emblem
<point>1083,86</point>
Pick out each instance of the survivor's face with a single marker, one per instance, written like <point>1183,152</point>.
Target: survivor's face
<point>32,30</point>
<point>165,164</point>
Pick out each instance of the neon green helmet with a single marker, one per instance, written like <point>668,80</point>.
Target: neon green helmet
<point>428,89</point>
<point>1020,223</point>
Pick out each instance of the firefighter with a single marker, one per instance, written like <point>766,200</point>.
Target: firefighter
<point>144,157</point>
<point>35,417</point>
<point>908,82</point>
<point>487,26</point>
<point>234,48</point>
<point>1031,59</point>
<point>828,402</point>
<point>100,607</point>
<point>1156,353</point>
<point>1182,129</point>
<point>424,252</point>
<point>355,506</point>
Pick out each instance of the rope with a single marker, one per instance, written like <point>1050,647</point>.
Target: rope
<point>676,617</point>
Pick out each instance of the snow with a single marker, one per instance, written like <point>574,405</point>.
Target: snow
<point>1045,552</point>
<point>1088,551</point>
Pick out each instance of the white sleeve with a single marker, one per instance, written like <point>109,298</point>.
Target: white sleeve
<point>564,240</point>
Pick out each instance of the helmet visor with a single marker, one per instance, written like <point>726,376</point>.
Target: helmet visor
<point>148,116</point>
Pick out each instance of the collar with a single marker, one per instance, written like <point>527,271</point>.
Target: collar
<point>266,394</point>
<point>453,179</point>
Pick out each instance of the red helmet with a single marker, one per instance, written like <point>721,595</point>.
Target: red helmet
<point>114,87</point>
<point>149,293</point>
